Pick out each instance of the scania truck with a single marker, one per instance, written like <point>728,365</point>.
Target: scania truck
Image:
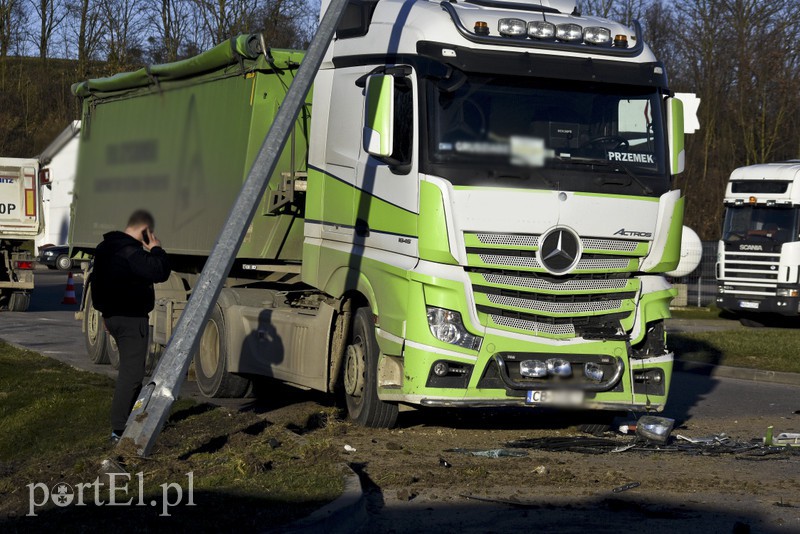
<point>475,207</point>
<point>758,260</point>
<point>20,223</point>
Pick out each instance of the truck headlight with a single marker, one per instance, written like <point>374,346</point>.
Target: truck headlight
<point>447,327</point>
<point>786,292</point>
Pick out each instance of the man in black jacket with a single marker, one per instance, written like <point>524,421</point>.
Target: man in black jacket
<point>126,265</point>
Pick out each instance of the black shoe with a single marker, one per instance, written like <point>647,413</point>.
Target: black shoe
<point>115,438</point>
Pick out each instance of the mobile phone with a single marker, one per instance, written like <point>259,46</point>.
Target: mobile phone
<point>145,238</point>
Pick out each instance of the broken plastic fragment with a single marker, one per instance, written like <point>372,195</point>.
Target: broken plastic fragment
<point>349,448</point>
<point>626,487</point>
<point>491,453</point>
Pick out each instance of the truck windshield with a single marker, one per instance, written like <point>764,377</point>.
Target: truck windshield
<point>760,223</point>
<point>537,131</point>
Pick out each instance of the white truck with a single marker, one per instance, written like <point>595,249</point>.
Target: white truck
<point>20,223</point>
<point>58,164</point>
<point>758,260</point>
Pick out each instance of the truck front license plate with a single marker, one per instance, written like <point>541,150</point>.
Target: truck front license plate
<point>555,397</point>
<point>749,304</point>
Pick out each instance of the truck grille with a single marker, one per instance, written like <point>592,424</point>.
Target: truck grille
<point>755,269</point>
<point>512,290</point>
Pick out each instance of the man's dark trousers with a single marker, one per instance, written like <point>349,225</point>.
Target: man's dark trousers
<point>130,333</point>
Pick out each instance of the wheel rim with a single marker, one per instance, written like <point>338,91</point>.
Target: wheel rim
<point>354,370</point>
<point>92,325</point>
<point>209,349</point>
<point>64,263</point>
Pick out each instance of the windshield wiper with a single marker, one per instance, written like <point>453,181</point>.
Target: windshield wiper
<point>605,163</point>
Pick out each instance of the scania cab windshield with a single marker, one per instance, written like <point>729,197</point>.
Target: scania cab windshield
<point>759,223</point>
<point>528,132</point>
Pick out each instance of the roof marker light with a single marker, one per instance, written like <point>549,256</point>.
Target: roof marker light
<point>481,28</point>
<point>621,40</point>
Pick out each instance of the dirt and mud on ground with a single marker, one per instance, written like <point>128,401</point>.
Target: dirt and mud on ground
<point>414,479</point>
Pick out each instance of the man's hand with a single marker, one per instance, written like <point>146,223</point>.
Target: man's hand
<point>149,239</point>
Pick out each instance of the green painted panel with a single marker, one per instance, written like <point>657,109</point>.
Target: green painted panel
<point>433,241</point>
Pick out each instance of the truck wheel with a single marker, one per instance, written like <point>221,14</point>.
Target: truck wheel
<point>211,362</point>
<point>112,350</point>
<point>94,332</point>
<point>19,302</point>
<point>360,371</point>
<point>64,262</point>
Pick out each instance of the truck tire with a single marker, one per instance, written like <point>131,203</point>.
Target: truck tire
<point>64,262</point>
<point>112,350</point>
<point>211,362</point>
<point>19,301</point>
<point>94,332</point>
<point>360,370</point>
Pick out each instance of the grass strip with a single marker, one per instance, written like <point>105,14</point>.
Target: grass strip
<point>769,349</point>
<point>242,471</point>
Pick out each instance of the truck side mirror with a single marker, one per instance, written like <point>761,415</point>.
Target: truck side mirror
<point>379,116</point>
<point>675,135</point>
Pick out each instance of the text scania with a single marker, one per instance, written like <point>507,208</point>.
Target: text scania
<point>751,247</point>
<point>631,157</point>
<point>632,233</point>
<point>62,494</point>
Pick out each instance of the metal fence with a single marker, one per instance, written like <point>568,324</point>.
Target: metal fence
<point>700,287</point>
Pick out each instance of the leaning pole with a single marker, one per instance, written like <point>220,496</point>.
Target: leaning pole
<point>153,405</point>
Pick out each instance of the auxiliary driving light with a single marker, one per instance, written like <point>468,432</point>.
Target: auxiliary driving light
<point>541,29</point>
<point>533,368</point>
<point>512,27</point>
<point>597,35</point>
<point>558,367</point>
<point>569,33</point>
<point>593,371</point>
<point>441,369</point>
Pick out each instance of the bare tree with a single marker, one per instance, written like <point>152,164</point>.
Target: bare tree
<point>123,24</point>
<point>84,22</point>
<point>169,25</point>
<point>222,19</point>
<point>50,14</point>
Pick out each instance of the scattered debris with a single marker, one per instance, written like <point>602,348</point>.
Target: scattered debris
<point>349,448</point>
<point>541,470</point>
<point>581,444</point>
<point>653,428</point>
<point>627,428</point>
<point>444,463</point>
<point>626,487</point>
<point>784,439</point>
<point>490,453</point>
<point>274,443</point>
